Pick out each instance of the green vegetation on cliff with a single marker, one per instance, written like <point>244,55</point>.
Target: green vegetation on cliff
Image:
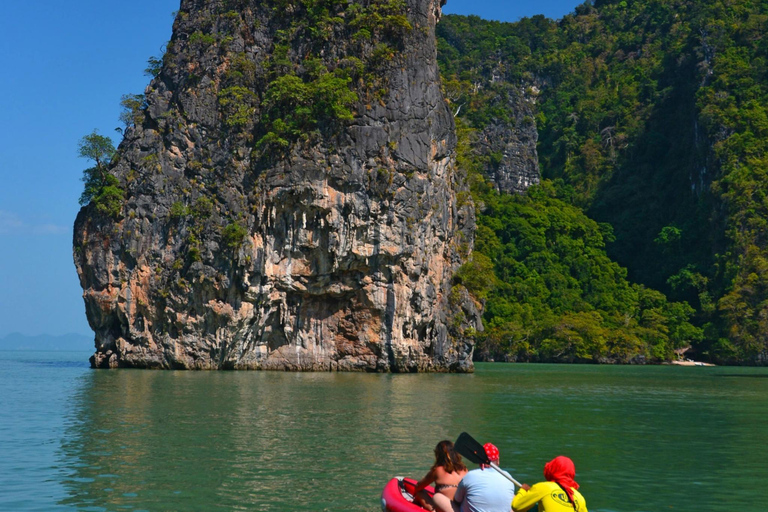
<point>305,93</point>
<point>101,188</point>
<point>652,118</point>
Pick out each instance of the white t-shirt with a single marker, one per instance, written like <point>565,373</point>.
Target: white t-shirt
<point>485,490</point>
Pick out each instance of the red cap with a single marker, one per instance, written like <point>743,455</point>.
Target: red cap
<point>491,451</point>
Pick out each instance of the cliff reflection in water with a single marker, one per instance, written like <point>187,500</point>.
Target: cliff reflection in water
<point>142,440</point>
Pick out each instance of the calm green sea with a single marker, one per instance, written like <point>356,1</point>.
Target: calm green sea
<point>642,438</point>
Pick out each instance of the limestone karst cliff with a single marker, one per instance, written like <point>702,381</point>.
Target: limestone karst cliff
<point>291,199</point>
<point>492,96</point>
<point>510,145</point>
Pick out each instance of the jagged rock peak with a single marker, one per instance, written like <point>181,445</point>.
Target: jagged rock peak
<point>291,199</point>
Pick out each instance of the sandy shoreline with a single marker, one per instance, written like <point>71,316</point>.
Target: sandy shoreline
<point>690,363</point>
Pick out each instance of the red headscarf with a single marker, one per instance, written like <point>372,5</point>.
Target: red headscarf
<point>562,471</point>
<point>491,451</point>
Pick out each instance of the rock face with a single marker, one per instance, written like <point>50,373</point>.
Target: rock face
<point>512,145</point>
<point>290,198</point>
<point>494,96</point>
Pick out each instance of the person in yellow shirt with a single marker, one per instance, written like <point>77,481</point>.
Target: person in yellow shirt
<point>558,494</point>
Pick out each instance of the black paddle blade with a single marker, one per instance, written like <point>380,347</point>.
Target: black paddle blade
<point>471,449</point>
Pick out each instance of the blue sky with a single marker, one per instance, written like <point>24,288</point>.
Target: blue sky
<point>65,66</point>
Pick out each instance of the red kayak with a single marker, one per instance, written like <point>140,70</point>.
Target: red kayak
<point>398,495</point>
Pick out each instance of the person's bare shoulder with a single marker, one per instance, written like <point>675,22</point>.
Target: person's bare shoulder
<point>440,472</point>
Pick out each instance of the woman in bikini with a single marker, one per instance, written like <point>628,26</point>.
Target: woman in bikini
<point>446,473</point>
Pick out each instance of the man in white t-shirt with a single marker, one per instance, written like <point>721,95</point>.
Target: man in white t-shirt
<point>484,489</point>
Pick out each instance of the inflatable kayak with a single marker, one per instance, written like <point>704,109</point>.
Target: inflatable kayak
<point>398,495</point>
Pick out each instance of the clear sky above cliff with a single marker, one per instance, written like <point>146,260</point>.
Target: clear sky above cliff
<point>511,10</point>
<point>64,68</point>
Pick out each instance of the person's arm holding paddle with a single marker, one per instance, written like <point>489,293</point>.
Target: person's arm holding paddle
<point>525,499</point>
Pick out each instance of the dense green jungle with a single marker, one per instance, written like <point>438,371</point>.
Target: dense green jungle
<point>649,230</point>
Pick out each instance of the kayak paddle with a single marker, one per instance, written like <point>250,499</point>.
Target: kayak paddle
<point>468,447</point>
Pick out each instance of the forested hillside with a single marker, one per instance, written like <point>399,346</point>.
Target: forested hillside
<point>652,125</point>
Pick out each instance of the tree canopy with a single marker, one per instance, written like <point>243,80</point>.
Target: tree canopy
<point>101,188</point>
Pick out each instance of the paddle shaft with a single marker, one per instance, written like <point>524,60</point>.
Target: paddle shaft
<point>505,475</point>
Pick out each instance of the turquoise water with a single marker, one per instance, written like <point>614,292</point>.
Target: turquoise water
<point>643,438</point>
